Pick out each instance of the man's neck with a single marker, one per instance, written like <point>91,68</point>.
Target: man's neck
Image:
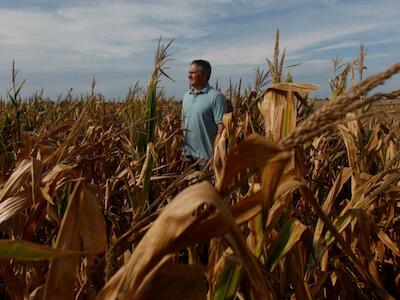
<point>199,88</point>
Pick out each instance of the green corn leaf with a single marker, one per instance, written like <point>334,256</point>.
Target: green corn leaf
<point>228,281</point>
<point>23,250</point>
<point>290,234</point>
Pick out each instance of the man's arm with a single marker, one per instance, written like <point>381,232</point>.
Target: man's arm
<point>219,109</point>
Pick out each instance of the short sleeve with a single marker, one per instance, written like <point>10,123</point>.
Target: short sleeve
<point>219,108</point>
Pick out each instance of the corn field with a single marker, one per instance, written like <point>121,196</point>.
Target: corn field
<point>299,202</point>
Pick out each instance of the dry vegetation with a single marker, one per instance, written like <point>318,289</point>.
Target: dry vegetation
<point>96,202</point>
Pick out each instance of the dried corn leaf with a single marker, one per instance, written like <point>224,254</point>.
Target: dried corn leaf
<point>254,151</point>
<point>388,242</point>
<point>37,294</point>
<point>36,171</point>
<point>174,281</point>
<point>56,172</point>
<point>296,275</point>
<point>11,206</point>
<point>62,272</point>
<point>13,285</point>
<point>271,176</point>
<point>16,180</point>
<point>91,222</point>
<point>353,159</point>
<point>295,87</point>
<point>83,220</point>
<point>245,210</point>
<point>168,234</point>
<point>340,180</point>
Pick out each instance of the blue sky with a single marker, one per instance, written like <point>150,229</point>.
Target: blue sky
<point>58,45</point>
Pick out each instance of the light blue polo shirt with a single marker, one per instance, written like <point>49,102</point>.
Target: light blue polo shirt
<point>201,112</point>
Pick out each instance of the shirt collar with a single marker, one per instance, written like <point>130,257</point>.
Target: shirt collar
<point>203,91</point>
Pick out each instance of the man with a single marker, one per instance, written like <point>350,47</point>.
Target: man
<point>203,108</point>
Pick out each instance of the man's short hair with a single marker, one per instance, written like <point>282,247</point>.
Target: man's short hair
<point>204,66</point>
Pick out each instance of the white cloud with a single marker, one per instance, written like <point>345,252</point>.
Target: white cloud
<point>254,51</point>
<point>74,34</point>
<point>349,44</point>
<point>355,44</point>
<point>92,37</point>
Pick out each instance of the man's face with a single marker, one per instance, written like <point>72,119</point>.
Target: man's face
<point>196,77</point>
